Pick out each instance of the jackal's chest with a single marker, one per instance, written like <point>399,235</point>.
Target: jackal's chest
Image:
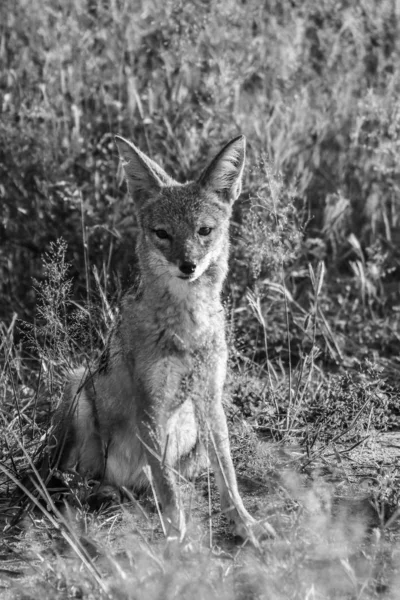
<point>181,364</point>
<point>174,347</point>
<point>182,361</point>
<point>187,328</point>
<point>172,382</point>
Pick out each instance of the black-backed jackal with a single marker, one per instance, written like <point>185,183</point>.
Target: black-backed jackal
<point>155,398</point>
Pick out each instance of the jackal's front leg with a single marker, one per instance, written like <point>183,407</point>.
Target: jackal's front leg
<point>162,475</point>
<point>166,489</point>
<point>243,524</point>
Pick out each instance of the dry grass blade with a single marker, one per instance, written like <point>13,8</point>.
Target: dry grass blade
<point>64,530</point>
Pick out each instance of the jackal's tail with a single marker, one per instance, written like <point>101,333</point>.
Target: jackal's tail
<point>41,485</point>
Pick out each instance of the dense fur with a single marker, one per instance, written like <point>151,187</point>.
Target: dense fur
<point>156,396</point>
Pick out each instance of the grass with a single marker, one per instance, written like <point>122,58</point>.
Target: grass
<point>311,299</point>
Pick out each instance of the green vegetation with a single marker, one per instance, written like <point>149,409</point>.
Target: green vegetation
<point>312,297</point>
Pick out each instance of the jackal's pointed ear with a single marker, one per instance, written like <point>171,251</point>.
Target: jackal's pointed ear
<point>142,173</point>
<point>224,174</point>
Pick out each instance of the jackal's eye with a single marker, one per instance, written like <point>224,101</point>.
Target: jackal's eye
<point>162,234</point>
<point>204,230</point>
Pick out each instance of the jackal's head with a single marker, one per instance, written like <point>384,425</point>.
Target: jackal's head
<point>184,227</point>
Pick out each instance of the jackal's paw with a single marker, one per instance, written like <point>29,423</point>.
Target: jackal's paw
<point>174,525</point>
<point>105,495</point>
<point>252,530</point>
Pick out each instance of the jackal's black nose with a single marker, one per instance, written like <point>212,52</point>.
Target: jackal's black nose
<point>187,267</point>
